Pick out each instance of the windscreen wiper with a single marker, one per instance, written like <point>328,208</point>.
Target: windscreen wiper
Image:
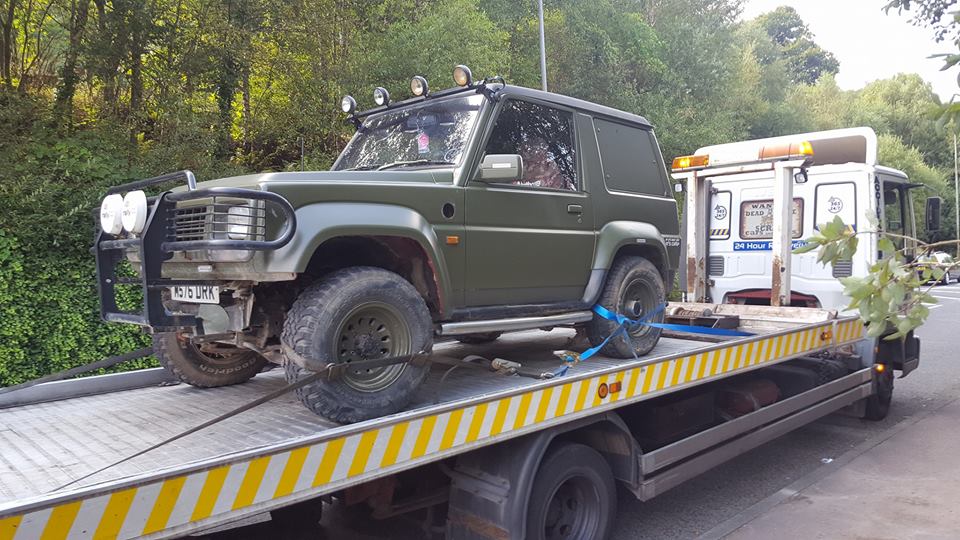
<point>415,162</point>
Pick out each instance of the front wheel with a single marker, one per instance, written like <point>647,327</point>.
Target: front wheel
<point>356,314</point>
<point>634,289</point>
<point>574,496</point>
<point>207,365</point>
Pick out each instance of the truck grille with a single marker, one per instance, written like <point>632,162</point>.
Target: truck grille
<point>715,265</point>
<point>842,269</point>
<point>218,220</point>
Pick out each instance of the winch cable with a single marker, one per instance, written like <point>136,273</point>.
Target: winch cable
<point>328,370</point>
<point>79,370</point>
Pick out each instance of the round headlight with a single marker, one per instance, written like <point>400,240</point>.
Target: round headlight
<point>418,85</point>
<point>348,104</point>
<point>380,96</point>
<point>110,210</point>
<point>239,222</point>
<point>134,214</point>
<point>462,76</point>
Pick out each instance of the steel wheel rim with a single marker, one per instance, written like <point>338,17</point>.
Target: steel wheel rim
<point>573,510</point>
<point>369,331</point>
<point>639,293</point>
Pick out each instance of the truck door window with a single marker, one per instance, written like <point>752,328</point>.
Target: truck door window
<point>543,137</point>
<point>893,214</point>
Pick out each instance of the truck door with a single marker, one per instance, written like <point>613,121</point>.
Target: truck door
<point>530,241</point>
<point>898,215</point>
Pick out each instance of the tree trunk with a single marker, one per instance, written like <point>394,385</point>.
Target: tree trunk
<point>63,106</point>
<point>6,43</point>
<point>246,108</point>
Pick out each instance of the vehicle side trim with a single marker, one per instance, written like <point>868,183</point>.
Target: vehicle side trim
<point>520,323</point>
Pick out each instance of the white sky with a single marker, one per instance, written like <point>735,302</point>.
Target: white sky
<point>869,43</point>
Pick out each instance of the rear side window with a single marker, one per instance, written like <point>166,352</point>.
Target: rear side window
<point>631,159</point>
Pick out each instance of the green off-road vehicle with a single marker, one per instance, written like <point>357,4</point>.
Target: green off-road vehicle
<point>466,213</point>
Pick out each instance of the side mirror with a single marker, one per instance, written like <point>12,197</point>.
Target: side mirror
<point>933,214</point>
<point>501,168</point>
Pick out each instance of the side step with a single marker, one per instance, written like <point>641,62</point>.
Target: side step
<point>519,323</point>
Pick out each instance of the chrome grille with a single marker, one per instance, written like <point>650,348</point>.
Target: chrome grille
<point>213,221</point>
<point>715,265</point>
<point>842,269</point>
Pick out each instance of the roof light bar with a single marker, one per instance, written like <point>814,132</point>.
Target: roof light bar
<point>690,162</point>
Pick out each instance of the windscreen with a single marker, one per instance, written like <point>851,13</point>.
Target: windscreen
<point>431,133</point>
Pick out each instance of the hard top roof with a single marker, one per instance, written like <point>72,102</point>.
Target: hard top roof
<point>574,103</point>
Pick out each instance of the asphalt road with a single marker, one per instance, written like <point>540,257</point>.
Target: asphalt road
<point>707,502</point>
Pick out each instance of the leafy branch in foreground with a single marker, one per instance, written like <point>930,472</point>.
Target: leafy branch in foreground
<point>892,296</point>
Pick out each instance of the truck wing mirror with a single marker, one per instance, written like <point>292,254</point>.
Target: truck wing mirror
<point>501,168</point>
<point>933,214</point>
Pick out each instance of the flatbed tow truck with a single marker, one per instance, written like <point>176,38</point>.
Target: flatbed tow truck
<point>495,452</point>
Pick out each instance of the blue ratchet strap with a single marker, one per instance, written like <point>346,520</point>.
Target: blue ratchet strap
<point>570,357</point>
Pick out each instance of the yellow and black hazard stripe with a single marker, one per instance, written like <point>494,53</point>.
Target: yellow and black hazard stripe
<point>343,456</point>
<point>719,233</point>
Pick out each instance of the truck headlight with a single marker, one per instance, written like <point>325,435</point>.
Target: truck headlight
<point>239,222</point>
<point>134,214</point>
<point>110,210</point>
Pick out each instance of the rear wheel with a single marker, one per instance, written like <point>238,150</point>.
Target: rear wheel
<point>634,289</point>
<point>356,314</point>
<point>573,496</point>
<point>207,365</point>
<point>878,405</point>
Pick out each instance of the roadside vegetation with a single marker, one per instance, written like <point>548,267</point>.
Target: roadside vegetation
<point>99,92</point>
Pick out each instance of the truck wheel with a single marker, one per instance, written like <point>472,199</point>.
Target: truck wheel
<point>479,339</point>
<point>357,314</point>
<point>878,405</point>
<point>634,287</point>
<point>573,495</point>
<point>206,366</point>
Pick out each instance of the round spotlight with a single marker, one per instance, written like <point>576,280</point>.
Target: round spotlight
<point>418,85</point>
<point>462,76</point>
<point>348,104</point>
<point>110,210</point>
<point>380,96</point>
<point>134,214</point>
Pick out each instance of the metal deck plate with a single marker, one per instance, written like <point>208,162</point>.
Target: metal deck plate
<point>46,445</point>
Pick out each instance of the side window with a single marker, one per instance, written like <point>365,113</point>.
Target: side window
<point>630,159</point>
<point>893,218</point>
<point>543,137</point>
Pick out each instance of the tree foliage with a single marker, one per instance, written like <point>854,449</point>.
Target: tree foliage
<point>98,92</point>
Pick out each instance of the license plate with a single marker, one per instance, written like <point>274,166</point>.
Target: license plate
<point>196,294</point>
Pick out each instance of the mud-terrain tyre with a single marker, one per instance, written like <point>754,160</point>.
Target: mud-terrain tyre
<point>355,314</point>
<point>479,339</point>
<point>573,495</point>
<point>634,287</point>
<point>205,369</point>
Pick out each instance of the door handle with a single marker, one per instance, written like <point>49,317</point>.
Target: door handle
<point>574,209</point>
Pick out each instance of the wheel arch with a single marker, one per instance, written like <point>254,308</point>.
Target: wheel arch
<point>490,488</point>
<point>403,240</point>
<point>619,238</point>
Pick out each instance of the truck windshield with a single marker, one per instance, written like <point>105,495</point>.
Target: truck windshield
<point>434,133</point>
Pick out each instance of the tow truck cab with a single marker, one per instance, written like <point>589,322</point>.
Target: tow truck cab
<point>738,252</point>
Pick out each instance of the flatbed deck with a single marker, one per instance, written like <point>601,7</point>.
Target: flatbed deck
<point>280,453</point>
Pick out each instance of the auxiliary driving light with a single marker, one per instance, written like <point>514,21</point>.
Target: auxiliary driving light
<point>380,96</point>
<point>462,76</point>
<point>110,210</point>
<point>418,85</point>
<point>348,104</point>
<point>134,214</point>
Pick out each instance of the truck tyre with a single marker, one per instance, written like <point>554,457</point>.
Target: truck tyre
<point>634,288</point>
<point>878,405</point>
<point>573,495</point>
<point>208,365</point>
<point>479,339</point>
<point>354,314</point>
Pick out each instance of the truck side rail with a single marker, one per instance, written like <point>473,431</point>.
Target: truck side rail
<point>206,493</point>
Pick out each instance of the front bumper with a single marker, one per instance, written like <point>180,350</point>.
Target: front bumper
<point>165,234</point>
